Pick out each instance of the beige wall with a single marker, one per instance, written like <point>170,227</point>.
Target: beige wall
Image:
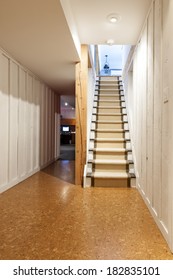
<point>149,98</point>
<point>27,123</point>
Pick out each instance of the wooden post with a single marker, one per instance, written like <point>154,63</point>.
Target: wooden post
<point>81,114</point>
<point>97,64</point>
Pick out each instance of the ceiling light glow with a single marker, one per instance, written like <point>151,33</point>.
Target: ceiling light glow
<point>110,42</point>
<point>113,18</point>
<point>66,104</point>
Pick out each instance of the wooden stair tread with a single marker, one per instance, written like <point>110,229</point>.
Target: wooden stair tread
<point>119,150</point>
<point>109,107</point>
<point>110,114</point>
<point>110,161</point>
<point>107,89</point>
<point>108,101</point>
<point>109,130</point>
<point>109,94</point>
<point>110,122</point>
<point>111,175</point>
<point>110,139</point>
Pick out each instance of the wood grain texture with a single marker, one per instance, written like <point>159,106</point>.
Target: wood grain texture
<point>81,113</point>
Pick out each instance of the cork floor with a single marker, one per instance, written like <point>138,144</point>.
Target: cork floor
<point>48,217</point>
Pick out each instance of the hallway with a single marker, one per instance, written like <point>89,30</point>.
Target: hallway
<point>48,217</point>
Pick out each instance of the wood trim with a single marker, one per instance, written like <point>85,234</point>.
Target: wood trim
<point>68,122</point>
<point>81,114</point>
<point>97,60</point>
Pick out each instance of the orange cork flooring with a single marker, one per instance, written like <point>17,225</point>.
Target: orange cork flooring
<point>48,217</point>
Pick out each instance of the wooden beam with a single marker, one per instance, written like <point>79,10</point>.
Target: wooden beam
<point>81,114</point>
<point>68,122</point>
<point>97,63</point>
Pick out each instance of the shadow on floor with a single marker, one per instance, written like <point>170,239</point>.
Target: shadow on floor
<point>62,169</point>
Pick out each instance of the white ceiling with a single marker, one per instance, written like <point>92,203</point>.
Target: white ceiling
<point>94,28</point>
<point>35,33</point>
<point>43,36</point>
<point>67,104</point>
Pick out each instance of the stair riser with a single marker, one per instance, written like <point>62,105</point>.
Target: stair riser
<point>115,82</point>
<point>109,98</point>
<point>109,144</point>
<point>110,79</point>
<point>109,118</point>
<point>108,86</point>
<point>108,91</point>
<point>109,135</point>
<point>110,126</point>
<point>109,111</point>
<point>105,87</point>
<point>108,103</point>
<point>109,156</point>
<point>118,183</point>
<point>114,168</point>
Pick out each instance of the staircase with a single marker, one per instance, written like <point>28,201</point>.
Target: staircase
<point>110,161</point>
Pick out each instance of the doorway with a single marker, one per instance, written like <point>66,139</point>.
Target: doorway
<point>67,127</point>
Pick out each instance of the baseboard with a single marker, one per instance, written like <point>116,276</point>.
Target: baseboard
<point>17,181</point>
<point>159,223</point>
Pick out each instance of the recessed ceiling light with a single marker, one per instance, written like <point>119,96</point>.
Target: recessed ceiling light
<point>110,42</point>
<point>113,18</point>
<point>66,104</point>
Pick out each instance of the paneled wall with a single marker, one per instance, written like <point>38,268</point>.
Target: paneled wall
<point>149,100</point>
<point>27,123</point>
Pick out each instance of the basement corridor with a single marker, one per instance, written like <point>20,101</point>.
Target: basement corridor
<point>48,217</point>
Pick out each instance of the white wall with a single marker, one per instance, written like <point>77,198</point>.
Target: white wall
<point>150,108</point>
<point>27,123</point>
<point>125,53</point>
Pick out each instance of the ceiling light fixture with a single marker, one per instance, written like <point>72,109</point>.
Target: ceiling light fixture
<point>110,42</point>
<point>113,18</point>
<point>66,104</point>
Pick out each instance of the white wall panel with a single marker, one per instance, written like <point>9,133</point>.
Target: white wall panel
<point>49,124</point>
<point>13,122</point>
<point>144,52</point>
<point>157,109</point>
<point>22,128</point>
<point>167,121</point>
<point>30,119</point>
<point>46,122</point>
<point>27,123</point>
<point>152,118</point>
<point>149,173</point>
<point>42,124</point>
<point>4,120</point>
<point>36,124</point>
<point>52,125</point>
